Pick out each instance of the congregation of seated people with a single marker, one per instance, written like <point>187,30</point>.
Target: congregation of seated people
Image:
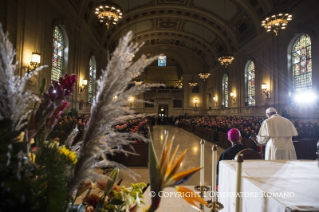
<point>247,125</point>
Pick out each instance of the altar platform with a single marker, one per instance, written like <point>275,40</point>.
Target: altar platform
<point>272,186</point>
<point>267,186</point>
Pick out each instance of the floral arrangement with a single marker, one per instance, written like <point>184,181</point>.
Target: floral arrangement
<point>113,198</point>
<point>55,172</point>
<point>163,173</point>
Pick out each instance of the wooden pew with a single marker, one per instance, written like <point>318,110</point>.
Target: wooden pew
<point>134,160</point>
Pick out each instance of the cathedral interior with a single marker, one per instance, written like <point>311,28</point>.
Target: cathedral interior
<point>189,36</point>
<point>220,64</point>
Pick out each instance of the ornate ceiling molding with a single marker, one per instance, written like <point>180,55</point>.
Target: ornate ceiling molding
<point>213,23</point>
<point>231,45</point>
<point>173,38</point>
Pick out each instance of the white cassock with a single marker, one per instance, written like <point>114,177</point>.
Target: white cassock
<point>277,132</point>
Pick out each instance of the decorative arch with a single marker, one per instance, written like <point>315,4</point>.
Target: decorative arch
<point>250,83</point>
<point>225,90</point>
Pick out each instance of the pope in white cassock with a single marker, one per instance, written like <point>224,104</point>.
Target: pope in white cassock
<point>276,132</point>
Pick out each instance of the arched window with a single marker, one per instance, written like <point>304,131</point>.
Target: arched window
<point>250,80</point>
<point>225,90</point>
<point>301,63</point>
<point>92,78</point>
<point>58,54</point>
<point>161,60</point>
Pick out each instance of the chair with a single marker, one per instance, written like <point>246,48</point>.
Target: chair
<point>249,154</point>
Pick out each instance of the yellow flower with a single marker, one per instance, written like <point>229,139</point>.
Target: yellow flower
<point>31,157</point>
<point>21,137</point>
<point>68,154</point>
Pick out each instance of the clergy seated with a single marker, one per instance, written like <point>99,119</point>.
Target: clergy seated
<point>250,154</point>
<point>234,138</point>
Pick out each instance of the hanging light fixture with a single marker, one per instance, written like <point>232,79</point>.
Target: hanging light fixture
<point>276,21</point>
<point>192,83</point>
<point>226,59</point>
<point>204,75</point>
<point>138,82</point>
<point>108,13</point>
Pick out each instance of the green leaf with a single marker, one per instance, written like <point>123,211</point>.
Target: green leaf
<point>99,206</point>
<point>155,175</point>
<point>115,202</point>
<point>112,179</point>
<point>108,187</point>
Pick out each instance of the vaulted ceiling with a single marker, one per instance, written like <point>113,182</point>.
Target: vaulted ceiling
<point>194,25</point>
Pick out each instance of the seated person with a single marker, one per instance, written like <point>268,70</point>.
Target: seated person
<point>229,154</point>
<point>176,123</point>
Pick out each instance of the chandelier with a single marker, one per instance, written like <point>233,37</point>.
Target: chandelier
<point>108,13</point>
<point>275,22</point>
<point>192,83</point>
<point>138,82</point>
<point>226,60</point>
<point>204,75</point>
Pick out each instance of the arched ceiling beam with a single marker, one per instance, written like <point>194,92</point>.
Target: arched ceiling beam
<point>252,13</point>
<point>120,27</point>
<point>191,40</point>
<point>155,12</point>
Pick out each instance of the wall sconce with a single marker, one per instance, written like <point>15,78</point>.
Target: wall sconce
<point>264,89</point>
<point>84,83</point>
<point>195,101</point>
<point>215,100</point>
<point>35,61</point>
<point>130,100</point>
<point>232,95</point>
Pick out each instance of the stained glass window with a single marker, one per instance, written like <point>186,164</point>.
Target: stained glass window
<point>302,63</point>
<point>161,60</point>
<point>58,54</point>
<point>225,90</point>
<point>91,79</point>
<point>250,77</point>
